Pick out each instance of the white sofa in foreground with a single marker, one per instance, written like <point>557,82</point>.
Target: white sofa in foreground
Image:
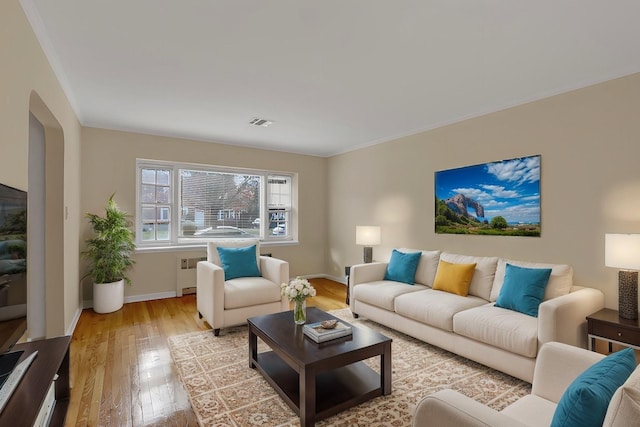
<point>557,368</point>
<point>472,326</point>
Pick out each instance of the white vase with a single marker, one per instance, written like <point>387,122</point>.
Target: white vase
<point>108,297</point>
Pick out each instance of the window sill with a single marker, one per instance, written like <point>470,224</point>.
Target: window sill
<point>179,247</point>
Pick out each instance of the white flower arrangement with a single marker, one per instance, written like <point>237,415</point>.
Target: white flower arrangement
<point>298,289</point>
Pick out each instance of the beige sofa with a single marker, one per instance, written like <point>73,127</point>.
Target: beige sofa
<point>473,326</point>
<point>557,367</point>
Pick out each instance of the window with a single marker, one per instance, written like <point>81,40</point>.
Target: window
<point>185,203</point>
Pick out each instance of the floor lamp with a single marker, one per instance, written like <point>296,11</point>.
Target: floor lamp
<point>623,251</point>
<point>368,236</point>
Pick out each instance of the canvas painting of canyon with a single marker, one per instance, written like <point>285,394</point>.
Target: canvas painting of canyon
<point>498,198</point>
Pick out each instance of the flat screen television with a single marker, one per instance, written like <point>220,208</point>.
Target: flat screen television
<point>13,266</point>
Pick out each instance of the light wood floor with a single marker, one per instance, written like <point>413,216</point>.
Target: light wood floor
<point>121,369</point>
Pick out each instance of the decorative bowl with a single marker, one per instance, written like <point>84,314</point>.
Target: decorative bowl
<point>329,324</point>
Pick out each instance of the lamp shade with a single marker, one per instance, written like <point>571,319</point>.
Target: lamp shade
<point>367,235</point>
<point>622,251</point>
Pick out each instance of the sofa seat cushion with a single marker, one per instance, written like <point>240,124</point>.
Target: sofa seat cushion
<point>499,327</point>
<point>382,293</point>
<point>248,291</point>
<point>435,308</point>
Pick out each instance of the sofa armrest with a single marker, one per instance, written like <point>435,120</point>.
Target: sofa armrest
<point>450,408</point>
<point>210,292</point>
<point>365,273</point>
<point>563,319</point>
<point>274,269</point>
<point>557,366</point>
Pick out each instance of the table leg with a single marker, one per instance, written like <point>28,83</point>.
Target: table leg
<point>253,348</point>
<point>385,366</point>
<point>307,397</point>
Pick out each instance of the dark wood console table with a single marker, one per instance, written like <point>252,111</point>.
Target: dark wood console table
<point>24,405</point>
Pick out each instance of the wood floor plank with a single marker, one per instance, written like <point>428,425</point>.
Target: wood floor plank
<point>121,368</point>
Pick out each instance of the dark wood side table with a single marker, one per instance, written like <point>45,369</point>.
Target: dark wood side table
<point>607,325</point>
<point>347,271</point>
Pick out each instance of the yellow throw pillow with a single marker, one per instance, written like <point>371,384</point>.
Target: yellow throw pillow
<point>454,278</point>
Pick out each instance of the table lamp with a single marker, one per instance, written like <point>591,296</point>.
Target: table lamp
<point>368,236</point>
<point>623,251</point>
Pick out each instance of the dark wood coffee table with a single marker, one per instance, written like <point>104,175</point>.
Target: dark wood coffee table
<point>319,380</point>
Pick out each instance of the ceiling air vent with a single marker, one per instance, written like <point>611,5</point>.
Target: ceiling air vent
<point>260,122</point>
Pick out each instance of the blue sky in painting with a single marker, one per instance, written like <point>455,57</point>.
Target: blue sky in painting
<point>509,188</point>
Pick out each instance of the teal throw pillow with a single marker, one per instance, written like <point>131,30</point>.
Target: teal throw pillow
<point>239,262</point>
<point>402,266</point>
<point>523,289</point>
<point>585,402</point>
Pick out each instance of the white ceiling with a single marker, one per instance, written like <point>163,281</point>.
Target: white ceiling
<point>333,75</point>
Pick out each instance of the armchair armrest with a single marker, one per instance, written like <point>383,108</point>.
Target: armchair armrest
<point>210,292</point>
<point>557,365</point>
<point>274,269</point>
<point>563,319</point>
<point>450,408</point>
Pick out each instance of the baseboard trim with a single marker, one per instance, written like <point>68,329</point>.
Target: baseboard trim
<point>74,321</point>
<point>137,298</point>
<point>342,280</point>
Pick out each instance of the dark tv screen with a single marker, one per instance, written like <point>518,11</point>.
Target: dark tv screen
<point>13,266</point>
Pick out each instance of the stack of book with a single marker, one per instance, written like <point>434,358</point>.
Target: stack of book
<point>316,332</point>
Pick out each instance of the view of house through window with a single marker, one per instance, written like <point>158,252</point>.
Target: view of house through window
<point>219,204</point>
<point>181,204</point>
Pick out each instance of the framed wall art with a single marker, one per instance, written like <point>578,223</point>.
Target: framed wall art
<point>498,198</point>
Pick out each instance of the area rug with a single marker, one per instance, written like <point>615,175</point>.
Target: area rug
<point>224,391</point>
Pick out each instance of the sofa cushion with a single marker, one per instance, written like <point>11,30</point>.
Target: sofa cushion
<point>434,308</point>
<point>454,278</point>
<point>402,266</point>
<point>523,289</point>
<point>483,277</point>
<point>239,262</point>
<point>427,266</point>
<point>535,410</point>
<point>382,293</point>
<point>499,327</point>
<point>249,291</point>
<point>560,281</point>
<point>624,408</point>
<point>585,402</point>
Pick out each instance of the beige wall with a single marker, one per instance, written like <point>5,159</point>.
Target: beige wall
<point>590,182</point>
<point>109,164</point>
<point>28,83</point>
<point>588,139</point>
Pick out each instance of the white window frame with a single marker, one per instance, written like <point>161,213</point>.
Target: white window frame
<point>265,235</point>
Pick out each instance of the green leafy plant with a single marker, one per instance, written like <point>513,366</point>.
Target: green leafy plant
<point>110,250</point>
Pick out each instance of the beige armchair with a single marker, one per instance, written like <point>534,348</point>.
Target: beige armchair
<point>557,366</point>
<point>225,303</point>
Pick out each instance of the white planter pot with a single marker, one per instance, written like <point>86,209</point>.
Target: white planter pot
<point>108,297</point>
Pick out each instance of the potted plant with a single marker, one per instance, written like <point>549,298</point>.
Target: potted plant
<point>109,253</point>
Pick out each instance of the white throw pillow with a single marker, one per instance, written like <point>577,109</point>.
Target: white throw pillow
<point>482,276</point>
<point>624,408</point>
<point>560,281</point>
<point>427,266</point>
